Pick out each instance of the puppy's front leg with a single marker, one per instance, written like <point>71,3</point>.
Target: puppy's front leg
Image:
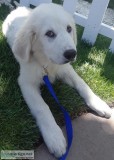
<point>51,132</point>
<point>69,76</point>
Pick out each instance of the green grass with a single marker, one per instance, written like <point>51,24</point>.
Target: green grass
<point>18,129</point>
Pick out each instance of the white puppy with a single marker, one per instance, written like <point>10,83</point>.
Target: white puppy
<point>46,37</point>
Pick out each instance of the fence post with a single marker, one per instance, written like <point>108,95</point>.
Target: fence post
<point>24,3</point>
<point>70,5</point>
<point>97,11</point>
<point>112,46</point>
<point>38,2</point>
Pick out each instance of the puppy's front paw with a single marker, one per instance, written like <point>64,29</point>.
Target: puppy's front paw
<point>55,141</point>
<point>100,107</point>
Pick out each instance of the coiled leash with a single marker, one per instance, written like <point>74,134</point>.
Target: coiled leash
<point>69,129</point>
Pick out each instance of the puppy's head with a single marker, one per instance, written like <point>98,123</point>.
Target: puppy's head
<point>49,31</point>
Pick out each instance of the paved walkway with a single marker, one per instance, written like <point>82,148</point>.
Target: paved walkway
<point>93,140</point>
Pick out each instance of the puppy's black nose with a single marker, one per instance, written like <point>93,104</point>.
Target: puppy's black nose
<point>70,54</point>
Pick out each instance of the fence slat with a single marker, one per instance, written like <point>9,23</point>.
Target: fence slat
<point>80,19</point>
<point>24,3</point>
<point>70,5</point>
<point>95,17</point>
<point>112,46</point>
<point>107,30</point>
<point>37,2</point>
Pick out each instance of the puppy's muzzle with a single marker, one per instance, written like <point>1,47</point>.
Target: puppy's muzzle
<point>70,54</point>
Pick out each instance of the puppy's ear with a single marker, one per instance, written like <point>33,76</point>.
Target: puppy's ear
<point>23,43</point>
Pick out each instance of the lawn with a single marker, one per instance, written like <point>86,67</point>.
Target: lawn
<point>18,129</point>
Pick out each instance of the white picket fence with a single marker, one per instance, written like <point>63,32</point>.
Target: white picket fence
<point>92,24</point>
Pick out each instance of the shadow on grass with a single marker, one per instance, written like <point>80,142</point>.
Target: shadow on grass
<point>103,43</point>
<point>83,48</point>
<point>101,47</point>
<point>108,67</point>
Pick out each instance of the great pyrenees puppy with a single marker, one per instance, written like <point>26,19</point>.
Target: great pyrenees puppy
<point>45,38</point>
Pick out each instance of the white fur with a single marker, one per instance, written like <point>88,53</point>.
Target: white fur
<point>25,31</point>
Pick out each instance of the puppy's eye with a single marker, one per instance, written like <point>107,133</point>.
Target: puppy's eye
<point>69,29</point>
<point>50,34</point>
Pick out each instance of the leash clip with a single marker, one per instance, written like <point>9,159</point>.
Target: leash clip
<point>45,71</point>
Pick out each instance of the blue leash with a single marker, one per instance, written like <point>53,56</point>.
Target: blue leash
<point>69,129</point>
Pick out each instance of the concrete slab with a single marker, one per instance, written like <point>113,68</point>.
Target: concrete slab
<point>93,140</point>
